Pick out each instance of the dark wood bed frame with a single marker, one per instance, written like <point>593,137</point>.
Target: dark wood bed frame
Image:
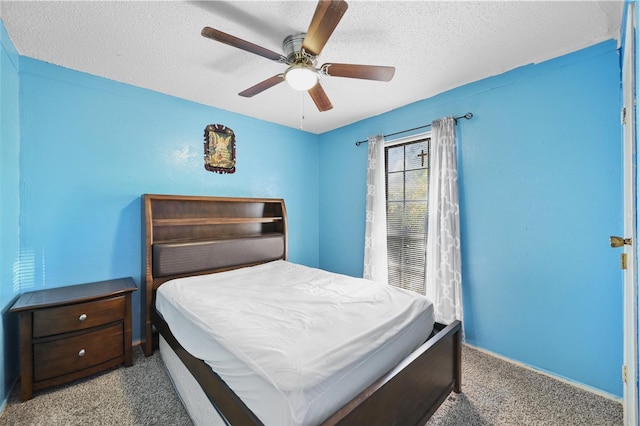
<point>407,395</point>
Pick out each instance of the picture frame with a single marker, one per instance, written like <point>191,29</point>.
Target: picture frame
<point>219,149</point>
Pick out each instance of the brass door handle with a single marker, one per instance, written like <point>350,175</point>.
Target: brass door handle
<point>619,241</point>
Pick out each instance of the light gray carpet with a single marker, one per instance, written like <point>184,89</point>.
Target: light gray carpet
<point>138,395</point>
<point>494,393</point>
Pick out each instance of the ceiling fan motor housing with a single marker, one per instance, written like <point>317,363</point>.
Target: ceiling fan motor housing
<point>293,51</point>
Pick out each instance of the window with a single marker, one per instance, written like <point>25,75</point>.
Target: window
<point>406,178</point>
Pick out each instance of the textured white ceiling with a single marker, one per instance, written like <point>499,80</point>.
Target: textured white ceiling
<point>435,46</point>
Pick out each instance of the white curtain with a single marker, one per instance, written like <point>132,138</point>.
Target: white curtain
<point>375,238</point>
<point>443,270</point>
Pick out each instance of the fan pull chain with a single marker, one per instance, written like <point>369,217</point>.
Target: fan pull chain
<point>301,110</point>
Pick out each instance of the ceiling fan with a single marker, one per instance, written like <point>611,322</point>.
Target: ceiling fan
<point>301,52</point>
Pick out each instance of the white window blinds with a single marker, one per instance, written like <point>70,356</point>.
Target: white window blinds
<point>407,178</point>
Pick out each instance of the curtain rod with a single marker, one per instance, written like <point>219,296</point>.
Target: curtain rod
<point>468,116</point>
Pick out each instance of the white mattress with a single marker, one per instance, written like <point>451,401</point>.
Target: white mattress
<point>193,398</point>
<point>294,343</point>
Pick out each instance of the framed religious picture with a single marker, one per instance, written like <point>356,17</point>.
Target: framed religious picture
<point>219,149</point>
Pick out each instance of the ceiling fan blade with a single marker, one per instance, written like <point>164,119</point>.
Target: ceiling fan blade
<point>262,86</point>
<point>234,41</point>
<point>325,19</point>
<point>320,98</point>
<point>365,72</point>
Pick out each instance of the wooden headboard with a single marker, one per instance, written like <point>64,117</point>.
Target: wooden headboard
<point>194,235</point>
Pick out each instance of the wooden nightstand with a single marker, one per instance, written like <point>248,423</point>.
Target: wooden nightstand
<point>71,332</point>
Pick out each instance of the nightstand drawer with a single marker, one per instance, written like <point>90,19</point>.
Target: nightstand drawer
<point>52,321</point>
<point>59,357</point>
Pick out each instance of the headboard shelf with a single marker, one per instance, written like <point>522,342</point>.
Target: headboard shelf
<point>231,237</point>
<point>214,221</point>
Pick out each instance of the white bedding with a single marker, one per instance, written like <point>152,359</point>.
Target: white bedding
<point>294,343</point>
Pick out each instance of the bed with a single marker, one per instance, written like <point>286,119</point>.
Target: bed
<point>208,245</point>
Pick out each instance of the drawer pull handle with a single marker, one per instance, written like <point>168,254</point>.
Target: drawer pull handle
<point>82,317</point>
<point>82,352</point>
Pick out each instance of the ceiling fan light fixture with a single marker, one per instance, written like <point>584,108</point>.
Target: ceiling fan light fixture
<point>301,77</point>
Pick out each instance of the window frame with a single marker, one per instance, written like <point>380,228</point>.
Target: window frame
<point>393,143</point>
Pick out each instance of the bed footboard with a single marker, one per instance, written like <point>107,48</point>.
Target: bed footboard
<point>411,392</point>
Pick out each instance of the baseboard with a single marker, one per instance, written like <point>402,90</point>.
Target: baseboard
<point>5,400</point>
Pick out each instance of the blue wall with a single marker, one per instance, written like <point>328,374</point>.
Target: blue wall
<point>9,207</point>
<point>541,191</point>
